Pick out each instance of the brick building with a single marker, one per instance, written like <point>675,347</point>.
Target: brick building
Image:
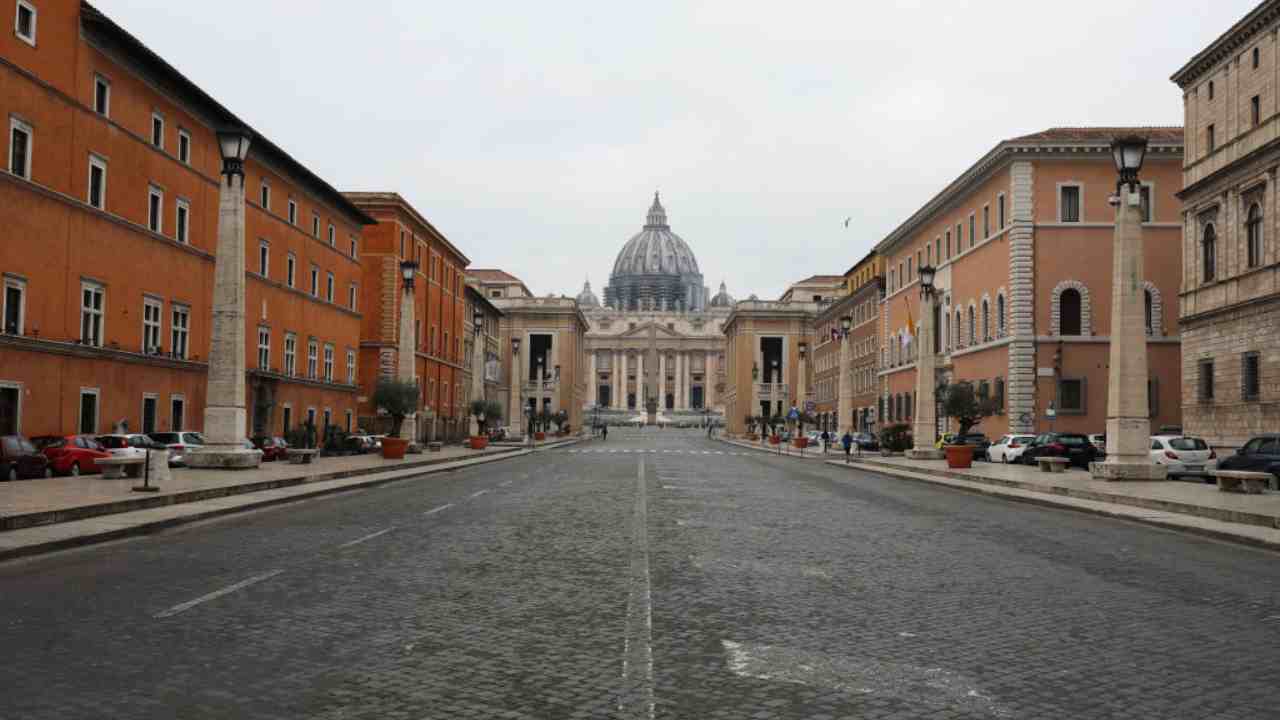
<point>1230,281</point>
<point>861,303</point>
<point>1022,243</point>
<point>110,206</point>
<point>402,233</point>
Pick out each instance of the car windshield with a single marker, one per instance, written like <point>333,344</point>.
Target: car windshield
<point>48,441</point>
<point>113,442</point>
<point>195,437</point>
<point>1072,440</point>
<point>1186,443</point>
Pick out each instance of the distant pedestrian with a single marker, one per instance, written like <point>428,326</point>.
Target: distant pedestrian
<point>604,432</point>
<point>826,441</point>
<point>847,441</point>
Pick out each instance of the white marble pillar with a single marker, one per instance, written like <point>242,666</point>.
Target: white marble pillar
<point>614,374</point>
<point>662,382</point>
<point>682,381</point>
<point>593,381</point>
<point>925,423</point>
<point>640,382</point>
<point>625,382</point>
<point>709,380</point>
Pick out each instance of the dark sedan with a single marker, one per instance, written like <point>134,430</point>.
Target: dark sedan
<point>1260,454</point>
<point>20,459</point>
<point>1072,446</point>
<point>978,441</point>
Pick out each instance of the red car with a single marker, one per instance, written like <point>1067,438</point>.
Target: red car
<point>273,448</point>
<point>71,454</point>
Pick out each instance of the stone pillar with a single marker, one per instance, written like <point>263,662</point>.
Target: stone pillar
<point>844,388</point>
<point>640,382</point>
<point>708,379</point>
<point>681,400</point>
<point>515,411</point>
<point>662,382</point>
<point>593,381</point>
<point>1128,425</point>
<point>925,422</point>
<point>614,374</point>
<point>802,382</point>
<point>407,358</point>
<point>477,377</point>
<point>225,422</point>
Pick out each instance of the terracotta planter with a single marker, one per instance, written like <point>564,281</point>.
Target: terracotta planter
<point>959,456</point>
<point>802,442</point>
<point>479,442</point>
<point>753,437</point>
<point>539,436</point>
<point>774,440</point>
<point>393,448</point>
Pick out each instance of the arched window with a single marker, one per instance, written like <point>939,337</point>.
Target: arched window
<point>946,331</point>
<point>986,320</point>
<point>1209,252</point>
<point>1253,235</point>
<point>973,328</point>
<point>1000,327</point>
<point>1149,306</point>
<point>1069,309</point>
<point>955,329</point>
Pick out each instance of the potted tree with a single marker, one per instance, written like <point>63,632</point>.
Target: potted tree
<point>895,438</point>
<point>961,403</point>
<point>541,421</point>
<point>749,421</point>
<point>801,441</point>
<point>484,411</point>
<point>561,419</point>
<point>399,399</point>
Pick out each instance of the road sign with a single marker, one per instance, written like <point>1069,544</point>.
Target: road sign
<point>794,414</point>
<point>810,406</point>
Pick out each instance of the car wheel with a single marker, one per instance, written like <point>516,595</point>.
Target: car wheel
<point>12,475</point>
<point>48,471</point>
<point>75,469</point>
<point>1004,459</point>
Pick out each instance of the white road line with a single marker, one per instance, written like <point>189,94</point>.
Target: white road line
<point>216,594</point>
<point>370,536</point>
<point>637,697</point>
<point>476,494</point>
<point>442,508</point>
<point>504,483</point>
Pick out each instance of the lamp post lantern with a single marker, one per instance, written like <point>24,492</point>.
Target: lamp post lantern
<point>225,420</point>
<point>925,426</point>
<point>1128,420</point>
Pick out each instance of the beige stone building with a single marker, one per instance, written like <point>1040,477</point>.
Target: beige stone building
<point>764,373</point>
<point>551,333</point>
<point>1230,280</point>
<point>488,362</point>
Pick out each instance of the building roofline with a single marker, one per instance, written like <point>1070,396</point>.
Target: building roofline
<point>172,80</point>
<point>871,254</point>
<point>396,201</point>
<point>1235,36</point>
<point>476,295</point>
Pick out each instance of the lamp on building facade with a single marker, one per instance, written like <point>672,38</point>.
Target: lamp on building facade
<point>925,425</point>
<point>225,418</point>
<point>1128,414</point>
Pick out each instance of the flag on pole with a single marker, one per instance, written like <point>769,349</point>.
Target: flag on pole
<point>911,326</point>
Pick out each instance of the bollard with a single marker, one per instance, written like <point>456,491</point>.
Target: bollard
<point>146,475</point>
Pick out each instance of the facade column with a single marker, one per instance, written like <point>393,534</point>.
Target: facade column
<point>925,422</point>
<point>593,381</point>
<point>802,380</point>
<point>1128,423</point>
<point>708,379</point>
<point>622,396</point>
<point>616,400</point>
<point>515,404</point>
<point>640,381</point>
<point>680,382</point>
<point>662,382</point>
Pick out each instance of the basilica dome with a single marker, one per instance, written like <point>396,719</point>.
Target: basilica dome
<point>722,298</point>
<point>656,268</point>
<point>586,298</point>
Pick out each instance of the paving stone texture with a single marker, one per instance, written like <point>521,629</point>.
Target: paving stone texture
<point>570,584</point>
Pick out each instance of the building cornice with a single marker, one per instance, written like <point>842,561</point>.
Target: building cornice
<point>1227,43</point>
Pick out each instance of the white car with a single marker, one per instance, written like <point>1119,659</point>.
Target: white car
<point>178,443</point>
<point>1183,455</point>
<point>1009,448</point>
<point>1100,442</point>
<point>133,445</point>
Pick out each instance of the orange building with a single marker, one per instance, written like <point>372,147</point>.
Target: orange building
<point>1022,243</point>
<point>110,207</point>
<point>401,234</point>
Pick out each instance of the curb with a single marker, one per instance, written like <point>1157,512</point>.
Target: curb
<point>817,455</point>
<point>1053,498</point>
<point>147,528</point>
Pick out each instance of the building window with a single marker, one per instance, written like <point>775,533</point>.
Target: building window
<point>264,258</point>
<point>183,218</point>
<point>24,23</point>
<point>999,397</point>
<point>1253,235</point>
<point>293,212</point>
<point>313,355</point>
<point>959,238</point>
<point>910,274</point>
<point>955,329</point>
<point>315,281</point>
<point>152,311</point>
<point>92,296</point>
<point>177,413</point>
<point>291,269</point>
<point>20,148</point>
<point>1000,323</point>
<point>264,348</point>
<point>354,254</point>
<point>328,363</point>
<point>1071,395</point>
<point>351,367</point>
<point>1070,311</point>
<point>97,182</point>
<point>1153,397</point>
<point>265,197</point>
<point>348,421</point>
<point>973,327</point>
<point>1250,376</point>
<point>973,226</point>
<point>315,226</point>
<point>986,221</point>
<point>184,147</point>
<point>1255,58</point>
<point>155,209</point>
<point>986,320</point>
<point>1209,137</point>
<point>179,330</point>
<point>1255,109</point>
<point>333,236</point>
<point>290,353</point>
<point>1210,89</point>
<point>1069,204</point>
<point>328,287</point>
<point>1149,311</point>
<point>352,294</point>
<point>1209,253</point>
<point>1144,198</point>
<point>149,411</point>
<point>1205,381</point>
<point>948,244</point>
<point>286,417</point>
<point>1000,211</point>
<point>101,95</point>
<point>15,306</point>
<point>157,130</point>
<point>88,411</point>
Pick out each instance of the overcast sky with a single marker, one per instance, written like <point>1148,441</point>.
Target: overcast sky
<point>533,134</point>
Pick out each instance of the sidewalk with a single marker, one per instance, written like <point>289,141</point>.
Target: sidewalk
<point>43,515</point>
<point>1187,506</point>
<point>809,453</point>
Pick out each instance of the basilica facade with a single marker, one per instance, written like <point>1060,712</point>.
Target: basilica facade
<point>658,335</point>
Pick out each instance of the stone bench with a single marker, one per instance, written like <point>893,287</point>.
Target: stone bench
<point>1242,481</point>
<point>1052,464</point>
<point>114,468</point>
<point>435,446</point>
<point>301,456</point>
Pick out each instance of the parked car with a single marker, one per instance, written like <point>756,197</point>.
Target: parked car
<point>125,446</point>
<point>1073,446</point>
<point>1100,442</point>
<point>866,441</point>
<point>20,459</point>
<point>1183,455</point>
<point>272,447</point>
<point>945,439</point>
<point>71,454</point>
<point>978,441</point>
<point>1260,454</point>
<point>814,438</point>
<point>178,444</point>
<point>1009,448</point>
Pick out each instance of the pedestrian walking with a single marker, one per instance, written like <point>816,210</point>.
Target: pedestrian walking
<point>604,431</point>
<point>826,441</point>
<point>847,441</point>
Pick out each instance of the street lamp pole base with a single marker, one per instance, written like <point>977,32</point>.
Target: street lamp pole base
<point>1128,471</point>
<point>925,454</point>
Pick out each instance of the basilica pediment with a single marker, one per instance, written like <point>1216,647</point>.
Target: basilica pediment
<point>642,331</point>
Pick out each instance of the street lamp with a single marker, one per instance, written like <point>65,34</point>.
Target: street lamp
<point>925,424</point>
<point>477,365</point>
<point>234,145</point>
<point>844,383</point>
<point>517,381</point>
<point>1128,424</point>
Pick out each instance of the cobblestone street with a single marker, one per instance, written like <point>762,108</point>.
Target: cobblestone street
<point>658,574</point>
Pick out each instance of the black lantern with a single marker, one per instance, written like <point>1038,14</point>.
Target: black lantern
<point>755,371</point>
<point>1128,153</point>
<point>234,146</point>
<point>804,349</point>
<point>515,347</point>
<point>846,324</point>
<point>407,270</point>
<point>477,322</point>
<point>926,278</point>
